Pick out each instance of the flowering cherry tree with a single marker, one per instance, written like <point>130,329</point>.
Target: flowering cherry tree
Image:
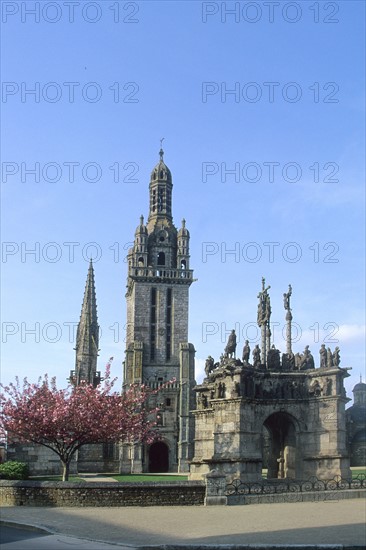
<point>64,420</point>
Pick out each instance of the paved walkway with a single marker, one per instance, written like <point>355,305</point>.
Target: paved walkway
<point>97,477</point>
<point>24,539</point>
<point>306,523</point>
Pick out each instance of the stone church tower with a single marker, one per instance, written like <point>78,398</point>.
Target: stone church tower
<point>157,348</point>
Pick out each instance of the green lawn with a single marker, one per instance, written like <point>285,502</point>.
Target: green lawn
<point>356,470</point>
<point>130,478</point>
<point>156,477</point>
<point>146,477</point>
<point>72,478</point>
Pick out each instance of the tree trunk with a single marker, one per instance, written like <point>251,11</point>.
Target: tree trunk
<point>65,470</point>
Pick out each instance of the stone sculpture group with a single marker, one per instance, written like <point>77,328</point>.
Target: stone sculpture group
<point>274,363</point>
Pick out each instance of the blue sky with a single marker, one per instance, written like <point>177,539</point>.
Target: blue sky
<point>275,98</point>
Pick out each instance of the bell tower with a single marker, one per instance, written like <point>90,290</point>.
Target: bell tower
<point>161,187</point>
<point>157,347</point>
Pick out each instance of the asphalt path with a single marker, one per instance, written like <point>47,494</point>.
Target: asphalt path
<point>17,538</point>
<point>335,522</point>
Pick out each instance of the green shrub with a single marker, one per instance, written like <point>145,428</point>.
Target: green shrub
<point>14,470</point>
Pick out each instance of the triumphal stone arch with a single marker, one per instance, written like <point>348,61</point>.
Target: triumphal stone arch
<point>281,412</point>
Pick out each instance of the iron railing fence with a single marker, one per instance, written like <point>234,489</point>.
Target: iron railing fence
<point>268,487</point>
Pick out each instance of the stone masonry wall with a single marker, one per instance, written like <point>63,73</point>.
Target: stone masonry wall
<point>40,459</point>
<point>30,493</point>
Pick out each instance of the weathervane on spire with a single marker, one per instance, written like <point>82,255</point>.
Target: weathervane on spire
<point>161,152</point>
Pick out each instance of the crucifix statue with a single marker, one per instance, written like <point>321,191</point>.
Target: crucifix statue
<point>264,306</point>
<point>263,319</point>
<point>286,298</point>
<point>286,305</point>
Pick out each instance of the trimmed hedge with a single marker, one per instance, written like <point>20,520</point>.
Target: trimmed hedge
<point>14,470</point>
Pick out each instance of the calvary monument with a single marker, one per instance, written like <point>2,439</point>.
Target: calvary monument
<point>277,411</point>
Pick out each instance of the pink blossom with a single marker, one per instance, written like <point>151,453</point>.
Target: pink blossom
<point>64,420</point>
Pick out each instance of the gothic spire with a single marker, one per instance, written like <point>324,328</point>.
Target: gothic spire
<point>89,307</point>
<point>87,337</point>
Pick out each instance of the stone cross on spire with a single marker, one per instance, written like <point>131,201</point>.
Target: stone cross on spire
<point>161,152</point>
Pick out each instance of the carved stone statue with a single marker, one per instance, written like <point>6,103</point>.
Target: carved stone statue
<point>209,365</point>
<point>328,386</point>
<point>281,466</point>
<point>311,362</point>
<point>246,352</point>
<point>329,358</point>
<point>264,306</point>
<point>298,360</point>
<point>307,360</point>
<point>336,357</point>
<point>231,345</point>
<point>221,390</point>
<point>286,298</point>
<point>296,390</point>
<point>256,356</point>
<point>288,361</point>
<point>273,359</point>
<point>315,388</point>
<point>323,356</point>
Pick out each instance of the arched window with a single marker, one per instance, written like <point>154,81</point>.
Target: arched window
<point>183,264</point>
<point>161,258</point>
<point>141,261</point>
<point>161,199</point>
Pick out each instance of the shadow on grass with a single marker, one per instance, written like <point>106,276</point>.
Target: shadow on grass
<point>72,479</point>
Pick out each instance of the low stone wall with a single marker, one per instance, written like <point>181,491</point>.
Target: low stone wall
<point>173,493</point>
<point>50,493</point>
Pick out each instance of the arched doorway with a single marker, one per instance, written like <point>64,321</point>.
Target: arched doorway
<point>280,435</point>
<point>159,457</point>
